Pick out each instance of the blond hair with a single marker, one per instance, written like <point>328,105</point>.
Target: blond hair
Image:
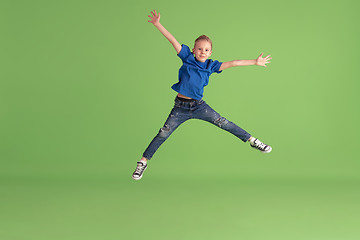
<point>203,37</point>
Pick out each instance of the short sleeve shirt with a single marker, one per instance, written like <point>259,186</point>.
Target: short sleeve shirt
<point>194,75</point>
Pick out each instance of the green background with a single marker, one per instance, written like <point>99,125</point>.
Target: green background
<point>85,86</point>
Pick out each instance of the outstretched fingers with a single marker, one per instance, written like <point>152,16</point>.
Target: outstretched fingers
<point>262,61</point>
<point>155,17</point>
<point>155,14</point>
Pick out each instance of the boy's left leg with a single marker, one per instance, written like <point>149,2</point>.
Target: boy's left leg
<point>208,114</point>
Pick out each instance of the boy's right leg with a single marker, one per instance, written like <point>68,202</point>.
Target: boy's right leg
<point>174,120</point>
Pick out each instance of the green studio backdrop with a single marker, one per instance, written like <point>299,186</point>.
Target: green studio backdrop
<point>86,85</point>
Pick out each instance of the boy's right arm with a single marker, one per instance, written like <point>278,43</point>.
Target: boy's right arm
<point>155,19</point>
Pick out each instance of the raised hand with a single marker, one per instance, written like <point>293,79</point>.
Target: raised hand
<point>155,19</point>
<point>263,61</point>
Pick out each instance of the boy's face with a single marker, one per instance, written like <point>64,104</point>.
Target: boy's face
<point>202,50</point>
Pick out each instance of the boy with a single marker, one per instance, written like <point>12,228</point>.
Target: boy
<point>193,77</point>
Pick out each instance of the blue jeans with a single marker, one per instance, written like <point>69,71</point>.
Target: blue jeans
<point>183,111</point>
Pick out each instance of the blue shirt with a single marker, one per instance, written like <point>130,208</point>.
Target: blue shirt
<point>194,75</point>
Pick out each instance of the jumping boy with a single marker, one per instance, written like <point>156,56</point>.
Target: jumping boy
<point>193,77</point>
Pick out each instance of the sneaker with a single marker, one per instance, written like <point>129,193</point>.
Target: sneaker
<point>137,175</point>
<point>261,146</point>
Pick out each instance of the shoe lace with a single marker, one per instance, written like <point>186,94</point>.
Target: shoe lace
<point>139,169</point>
<point>260,145</point>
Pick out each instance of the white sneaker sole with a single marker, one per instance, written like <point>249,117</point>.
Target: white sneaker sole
<point>136,178</point>
<point>267,150</point>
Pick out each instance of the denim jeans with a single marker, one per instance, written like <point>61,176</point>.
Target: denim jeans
<point>183,111</point>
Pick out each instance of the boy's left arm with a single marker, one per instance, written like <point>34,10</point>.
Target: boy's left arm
<point>260,61</point>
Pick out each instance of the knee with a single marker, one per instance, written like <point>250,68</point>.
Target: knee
<point>221,122</point>
<point>165,131</point>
